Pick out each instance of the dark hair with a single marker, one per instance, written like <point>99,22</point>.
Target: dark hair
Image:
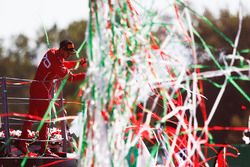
<point>67,45</point>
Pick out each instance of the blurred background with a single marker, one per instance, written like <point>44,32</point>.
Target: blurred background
<point>23,43</point>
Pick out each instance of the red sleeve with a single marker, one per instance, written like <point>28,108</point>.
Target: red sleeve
<point>69,64</point>
<point>76,77</point>
<point>61,70</point>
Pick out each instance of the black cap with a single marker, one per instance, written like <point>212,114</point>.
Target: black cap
<point>67,45</point>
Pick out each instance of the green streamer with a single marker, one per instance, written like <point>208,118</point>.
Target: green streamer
<point>198,66</point>
<point>84,139</point>
<point>208,22</point>
<point>132,156</point>
<point>90,44</point>
<point>219,66</point>
<point>46,37</point>
<point>79,50</point>
<point>245,51</point>
<point>213,83</point>
<point>24,161</point>
<point>103,54</point>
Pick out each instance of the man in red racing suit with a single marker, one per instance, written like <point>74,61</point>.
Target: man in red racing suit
<point>52,66</point>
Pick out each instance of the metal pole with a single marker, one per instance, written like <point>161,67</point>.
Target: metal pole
<point>63,123</point>
<point>6,118</point>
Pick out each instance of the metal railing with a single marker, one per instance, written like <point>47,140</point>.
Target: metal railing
<point>6,115</point>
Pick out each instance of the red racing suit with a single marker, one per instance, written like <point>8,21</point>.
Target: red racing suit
<point>52,66</point>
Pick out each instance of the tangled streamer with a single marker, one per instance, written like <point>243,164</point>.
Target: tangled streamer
<point>143,91</point>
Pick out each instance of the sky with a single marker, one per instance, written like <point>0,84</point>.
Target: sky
<point>27,16</point>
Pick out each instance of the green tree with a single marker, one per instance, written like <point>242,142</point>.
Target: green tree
<point>16,62</point>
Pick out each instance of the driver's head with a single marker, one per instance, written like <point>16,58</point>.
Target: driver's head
<point>68,47</point>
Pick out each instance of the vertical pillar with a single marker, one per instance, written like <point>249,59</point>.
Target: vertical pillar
<point>5,119</point>
<point>63,122</point>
